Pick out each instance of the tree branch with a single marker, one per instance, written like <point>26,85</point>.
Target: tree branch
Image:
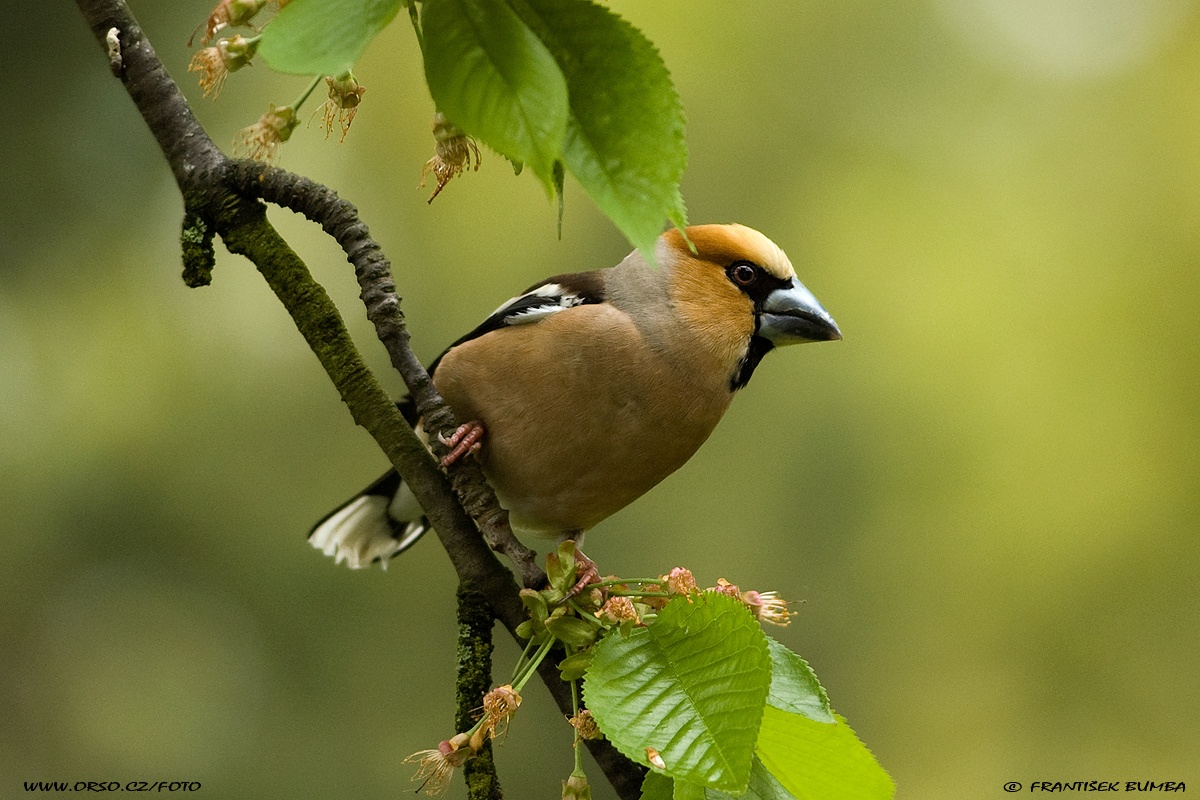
<point>340,220</point>
<point>219,198</point>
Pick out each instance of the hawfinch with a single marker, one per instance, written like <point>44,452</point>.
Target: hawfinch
<point>590,388</point>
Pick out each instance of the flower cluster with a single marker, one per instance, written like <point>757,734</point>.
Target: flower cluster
<point>576,617</point>
<point>436,767</point>
<point>261,140</point>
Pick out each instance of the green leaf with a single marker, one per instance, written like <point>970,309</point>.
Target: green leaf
<point>763,786</point>
<point>684,790</point>
<point>817,761</point>
<point>794,686</point>
<point>492,77</point>
<point>692,685</point>
<point>573,667</point>
<point>560,566</point>
<point>572,630</point>
<point>323,37</point>
<point>656,786</point>
<point>625,142</point>
<point>535,604</point>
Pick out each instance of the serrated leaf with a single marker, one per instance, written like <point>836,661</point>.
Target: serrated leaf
<point>692,685</point>
<point>763,786</point>
<point>794,686</point>
<point>492,77</point>
<point>624,141</point>
<point>323,37</point>
<point>817,761</point>
<point>656,786</point>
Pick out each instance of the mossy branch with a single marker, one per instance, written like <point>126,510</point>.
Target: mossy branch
<point>474,659</point>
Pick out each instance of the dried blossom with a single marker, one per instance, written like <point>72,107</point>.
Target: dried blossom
<point>499,705</point>
<point>680,581</point>
<point>261,140</point>
<point>213,71</point>
<point>452,152</point>
<point>726,588</point>
<point>229,13</point>
<point>617,610</point>
<point>345,94</point>
<point>768,607</point>
<point>436,767</point>
<point>215,63</point>
<point>585,724</point>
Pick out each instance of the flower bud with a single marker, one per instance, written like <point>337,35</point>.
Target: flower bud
<point>576,787</point>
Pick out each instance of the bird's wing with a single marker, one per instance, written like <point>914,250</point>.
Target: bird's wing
<point>536,303</point>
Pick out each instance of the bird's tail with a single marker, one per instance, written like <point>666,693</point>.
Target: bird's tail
<point>379,522</point>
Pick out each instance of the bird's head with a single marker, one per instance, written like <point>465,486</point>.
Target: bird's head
<point>739,290</point>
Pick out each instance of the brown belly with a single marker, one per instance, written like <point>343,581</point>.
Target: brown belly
<point>575,432</point>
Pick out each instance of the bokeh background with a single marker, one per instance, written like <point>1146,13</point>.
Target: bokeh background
<point>986,496</point>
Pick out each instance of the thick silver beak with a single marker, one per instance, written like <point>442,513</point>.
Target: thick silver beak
<point>792,315</point>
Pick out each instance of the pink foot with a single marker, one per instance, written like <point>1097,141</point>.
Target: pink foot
<point>585,571</point>
<point>467,439</point>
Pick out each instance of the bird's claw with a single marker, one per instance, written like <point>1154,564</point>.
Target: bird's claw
<point>586,574</point>
<point>466,440</point>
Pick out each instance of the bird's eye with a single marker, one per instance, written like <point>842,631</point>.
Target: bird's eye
<point>743,274</point>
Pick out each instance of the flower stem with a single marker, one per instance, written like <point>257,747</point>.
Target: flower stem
<point>315,83</point>
<point>619,581</point>
<point>578,737</point>
<point>416,23</point>
<point>531,666</point>
<point>585,614</point>
<point>529,647</point>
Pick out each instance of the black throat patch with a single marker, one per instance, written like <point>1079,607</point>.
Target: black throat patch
<point>759,347</point>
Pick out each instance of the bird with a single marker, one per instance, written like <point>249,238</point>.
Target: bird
<point>587,389</point>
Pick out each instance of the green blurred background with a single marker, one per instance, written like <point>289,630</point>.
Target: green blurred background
<point>986,496</point>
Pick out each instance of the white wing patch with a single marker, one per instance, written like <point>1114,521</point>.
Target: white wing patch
<point>538,304</point>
